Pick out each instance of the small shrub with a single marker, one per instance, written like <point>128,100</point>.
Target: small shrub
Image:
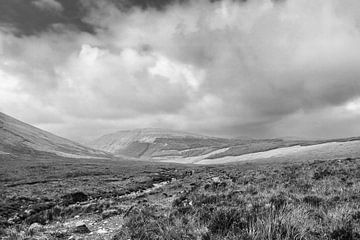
<point>356,216</point>
<point>314,201</point>
<point>344,233</point>
<point>143,224</point>
<point>37,218</point>
<point>275,224</point>
<point>179,201</point>
<point>227,220</point>
<point>183,210</point>
<point>203,199</point>
<point>204,214</point>
<point>321,173</point>
<point>278,201</point>
<point>148,224</point>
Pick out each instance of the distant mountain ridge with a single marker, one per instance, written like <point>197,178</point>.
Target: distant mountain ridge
<point>163,145</point>
<point>173,146</point>
<point>120,139</point>
<point>141,142</point>
<point>17,137</point>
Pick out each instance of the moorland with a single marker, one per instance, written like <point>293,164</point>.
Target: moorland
<point>61,198</point>
<point>171,186</point>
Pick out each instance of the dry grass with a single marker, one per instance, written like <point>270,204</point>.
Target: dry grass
<point>293,201</point>
<point>272,201</point>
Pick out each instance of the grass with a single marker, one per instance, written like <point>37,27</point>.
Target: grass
<point>293,200</point>
<point>289,201</point>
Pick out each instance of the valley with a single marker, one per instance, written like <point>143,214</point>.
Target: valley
<point>61,198</point>
<point>163,184</point>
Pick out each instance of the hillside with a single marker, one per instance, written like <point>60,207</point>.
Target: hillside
<point>173,146</point>
<point>20,138</point>
<point>153,142</point>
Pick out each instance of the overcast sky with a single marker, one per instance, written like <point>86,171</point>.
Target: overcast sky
<point>260,68</point>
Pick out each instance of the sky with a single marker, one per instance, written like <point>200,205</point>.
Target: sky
<point>256,68</point>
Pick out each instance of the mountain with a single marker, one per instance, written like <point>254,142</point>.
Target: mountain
<point>149,143</point>
<point>20,138</point>
<point>174,146</point>
<point>121,139</point>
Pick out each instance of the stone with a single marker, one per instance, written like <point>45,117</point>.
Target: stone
<point>59,234</point>
<point>37,218</point>
<point>29,212</point>
<point>41,238</point>
<point>216,179</point>
<point>35,227</point>
<point>101,231</point>
<point>75,197</point>
<point>109,213</point>
<point>80,227</point>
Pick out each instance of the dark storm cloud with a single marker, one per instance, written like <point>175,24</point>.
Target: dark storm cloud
<point>145,4</point>
<point>257,68</point>
<point>30,17</point>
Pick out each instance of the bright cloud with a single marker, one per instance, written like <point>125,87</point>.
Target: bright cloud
<point>48,5</point>
<point>259,68</point>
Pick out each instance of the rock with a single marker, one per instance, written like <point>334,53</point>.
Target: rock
<point>101,231</point>
<point>35,227</point>
<point>216,179</point>
<point>74,198</point>
<point>59,234</point>
<point>80,227</point>
<point>10,221</point>
<point>41,238</point>
<point>29,212</point>
<point>75,238</point>
<point>36,218</point>
<point>109,213</point>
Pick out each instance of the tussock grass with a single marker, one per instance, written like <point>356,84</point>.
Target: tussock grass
<point>306,201</point>
<point>271,201</point>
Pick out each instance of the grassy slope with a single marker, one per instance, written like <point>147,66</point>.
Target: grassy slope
<point>323,151</point>
<point>253,146</point>
<point>20,137</point>
<point>183,147</point>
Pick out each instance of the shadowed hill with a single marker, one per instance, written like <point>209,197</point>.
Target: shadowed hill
<point>20,138</point>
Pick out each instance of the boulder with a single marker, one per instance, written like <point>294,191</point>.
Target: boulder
<point>75,197</point>
<point>35,227</point>
<point>216,179</point>
<point>102,231</point>
<point>80,227</point>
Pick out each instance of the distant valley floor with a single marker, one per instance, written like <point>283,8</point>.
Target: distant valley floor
<point>330,150</point>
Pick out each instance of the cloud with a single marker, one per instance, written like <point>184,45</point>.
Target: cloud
<point>48,5</point>
<point>258,68</point>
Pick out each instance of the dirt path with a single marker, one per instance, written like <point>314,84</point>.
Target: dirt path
<point>106,227</point>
